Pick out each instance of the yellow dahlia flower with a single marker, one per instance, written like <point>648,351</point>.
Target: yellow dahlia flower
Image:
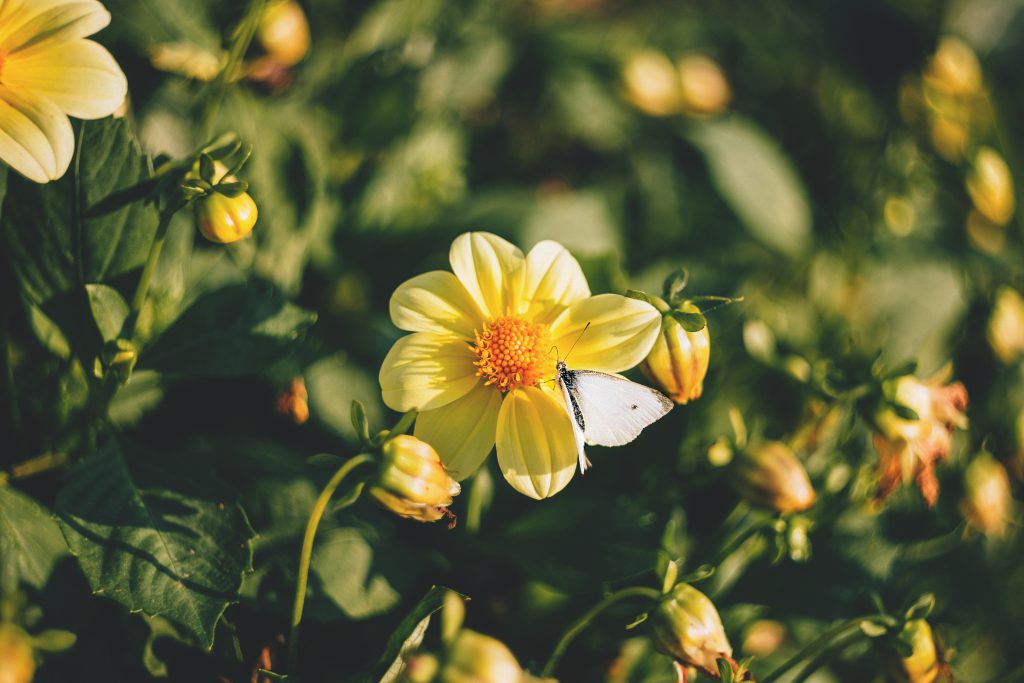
<point>48,71</point>
<point>480,362</point>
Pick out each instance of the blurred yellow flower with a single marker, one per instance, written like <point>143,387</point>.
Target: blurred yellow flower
<point>1006,326</point>
<point>990,185</point>
<point>483,349</point>
<point>651,84</point>
<point>48,71</point>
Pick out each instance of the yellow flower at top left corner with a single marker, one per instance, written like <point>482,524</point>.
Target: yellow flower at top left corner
<point>479,362</point>
<point>49,71</point>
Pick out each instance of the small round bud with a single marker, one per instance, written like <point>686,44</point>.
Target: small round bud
<point>1006,326</point>
<point>225,219</point>
<point>293,402</point>
<point>954,69</point>
<point>922,666</point>
<point>990,185</point>
<point>685,625</point>
<point>652,84</point>
<point>476,658</point>
<point>705,90</point>
<point>284,32</point>
<point>678,361</point>
<point>988,501</point>
<point>17,663</point>
<point>771,476</point>
<point>412,482</point>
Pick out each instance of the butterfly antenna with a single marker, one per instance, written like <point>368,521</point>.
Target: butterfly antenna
<point>577,341</point>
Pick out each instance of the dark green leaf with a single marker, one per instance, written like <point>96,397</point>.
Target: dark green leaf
<point>109,310</point>
<point>408,635</point>
<point>724,670</point>
<point>155,536</point>
<point>235,330</point>
<point>30,540</point>
<point>675,283</point>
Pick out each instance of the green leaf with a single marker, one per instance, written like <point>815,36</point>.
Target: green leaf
<point>922,607</point>
<point>30,540</point>
<point>333,383</point>
<point>581,221</point>
<point>691,322</point>
<point>724,670</point>
<point>235,330</point>
<point>360,423</point>
<point>872,629</point>
<point>155,536</point>
<point>54,246</point>
<point>47,332</point>
<point>408,635</point>
<point>904,412</point>
<point>757,180</point>
<point>54,640</point>
<point>109,310</point>
<point>344,564</point>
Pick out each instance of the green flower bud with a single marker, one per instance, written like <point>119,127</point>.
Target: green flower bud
<point>771,476</point>
<point>685,625</point>
<point>412,482</point>
<point>922,666</point>
<point>17,664</point>
<point>476,658</point>
<point>678,361</point>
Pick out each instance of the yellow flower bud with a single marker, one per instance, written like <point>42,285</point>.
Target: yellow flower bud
<point>678,361</point>
<point>412,482</point>
<point>990,185</point>
<point>284,32</point>
<point>954,69</point>
<point>1006,326</point>
<point>772,477</point>
<point>988,501</point>
<point>17,664</point>
<point>652,84</point>
<point>220,218</point>
<point>705,90</point>
<point>922,666</point>
<point>685,625</point>
<point>476,658</point>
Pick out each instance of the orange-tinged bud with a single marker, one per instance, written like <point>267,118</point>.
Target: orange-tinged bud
<point>763,637</point>
<point>922,666</point>
<point>476,658</point>
<point>284,32</point>
<point>990,185</point>
<point>705,90</point>
<point>17,664</point>
<point>293,402</point>
<point>652,84</point>
<point>1006,326</point>
<point>226,219</point>
<point>772,477</point>
<point>685,625</point>
<point>988,501</point>
<point>678,361</point>
<point>954,69</point>
<point>412,482</point>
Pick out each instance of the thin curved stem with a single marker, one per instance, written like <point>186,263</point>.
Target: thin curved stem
<point>306,554</point>
<point>583,622</point>
<point>820,643</point>
<point>139,298</point>
<point>825,655</point>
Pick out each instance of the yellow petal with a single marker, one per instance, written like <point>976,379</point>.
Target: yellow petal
<point>423,371</point>
<point>435,302</point>
<point>536,448</point>
<point>490,269</point>
<point>81,78</point>
<point>35,136</point>
<point>39,24</point>
<point>553,280</point>
<point>621,332</point>
<point>462,432</point>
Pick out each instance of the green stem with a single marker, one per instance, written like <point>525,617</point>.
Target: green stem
<point>243,37</point>
<point>820,643</point>
<point>825,655</point>
<point>583,622</point>
<point>306,554</point>
<point>139,298</point>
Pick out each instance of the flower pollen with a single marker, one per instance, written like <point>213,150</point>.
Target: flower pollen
<point>511,352</point>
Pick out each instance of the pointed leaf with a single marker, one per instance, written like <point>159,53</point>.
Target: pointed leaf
<point>408,635</point>
<point>109,310</point>
<point>30,540</point>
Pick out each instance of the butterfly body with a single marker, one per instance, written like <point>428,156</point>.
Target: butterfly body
<point>607,410</point>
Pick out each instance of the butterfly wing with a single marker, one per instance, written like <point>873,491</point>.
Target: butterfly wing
<point>572,407</point>
<point>615,410</point>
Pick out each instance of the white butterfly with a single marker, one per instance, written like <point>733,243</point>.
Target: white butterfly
<point>607,410</point>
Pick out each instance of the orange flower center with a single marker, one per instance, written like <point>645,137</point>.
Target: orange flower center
<point>511,352</point>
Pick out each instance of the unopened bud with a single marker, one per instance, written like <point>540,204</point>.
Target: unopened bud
<point>17,663</point>
<point>284,32</point>
<point>219,217</point>
<point>652,84</point>
<point>293,402</point>
<point>421,668</point>
<point>1006,326</point>
<point>771,476</point>
<point>476,658</point>
<point>990,185</point>
<point>922,665</point>
<point>685,625</point>
<point>954,69</point>
<point>412,482</point>
<point>988,501</point>
<point>678,361</point>
<point>705,90</point>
